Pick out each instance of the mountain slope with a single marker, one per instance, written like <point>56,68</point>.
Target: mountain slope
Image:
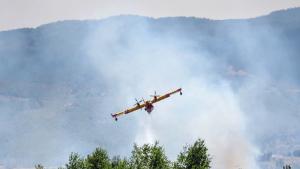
<point>59,83</point>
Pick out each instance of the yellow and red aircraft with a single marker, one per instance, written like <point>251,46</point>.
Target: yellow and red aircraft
<point>148,104</point>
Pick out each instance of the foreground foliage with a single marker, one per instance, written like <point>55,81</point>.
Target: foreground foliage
<point>148,156</point>
<point>194,156</point>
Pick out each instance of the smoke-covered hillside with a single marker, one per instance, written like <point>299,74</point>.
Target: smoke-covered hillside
<point>60,82</point>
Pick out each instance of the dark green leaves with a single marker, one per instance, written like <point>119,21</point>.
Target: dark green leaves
<point>147,156</point>
<point>193,157</point>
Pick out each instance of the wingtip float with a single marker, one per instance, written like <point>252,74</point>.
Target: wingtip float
<point>147,105</point>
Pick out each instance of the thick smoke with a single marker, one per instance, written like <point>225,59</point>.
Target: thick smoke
<point>139,61</point>
<point>239,79</point>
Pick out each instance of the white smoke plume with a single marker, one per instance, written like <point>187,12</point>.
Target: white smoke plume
<point>208,109</point>
<point>239,79</point>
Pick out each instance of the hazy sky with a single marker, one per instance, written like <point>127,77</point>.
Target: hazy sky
<point>31,13</point>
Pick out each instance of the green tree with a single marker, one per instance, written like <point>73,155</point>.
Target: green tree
<point>149,157</point>
<point>118,163</point>
<point>75,162</point>
<point>158,158</point>
<point>39,166</point>
<point>98,160</point>
<point>193,157</point>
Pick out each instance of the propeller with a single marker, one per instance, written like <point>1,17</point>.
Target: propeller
<point>138,102</point>
<point>143,100</point>
<point>155,95</point>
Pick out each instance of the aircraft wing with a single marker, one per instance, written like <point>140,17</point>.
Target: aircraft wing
<point>140,106</point>
<point>137,107</point>
<point>159,98</point>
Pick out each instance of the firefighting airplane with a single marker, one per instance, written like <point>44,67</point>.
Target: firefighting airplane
<point>148,104</point>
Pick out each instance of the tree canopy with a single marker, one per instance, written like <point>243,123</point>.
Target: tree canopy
<point>193,157</point>
<point>147,156</point>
